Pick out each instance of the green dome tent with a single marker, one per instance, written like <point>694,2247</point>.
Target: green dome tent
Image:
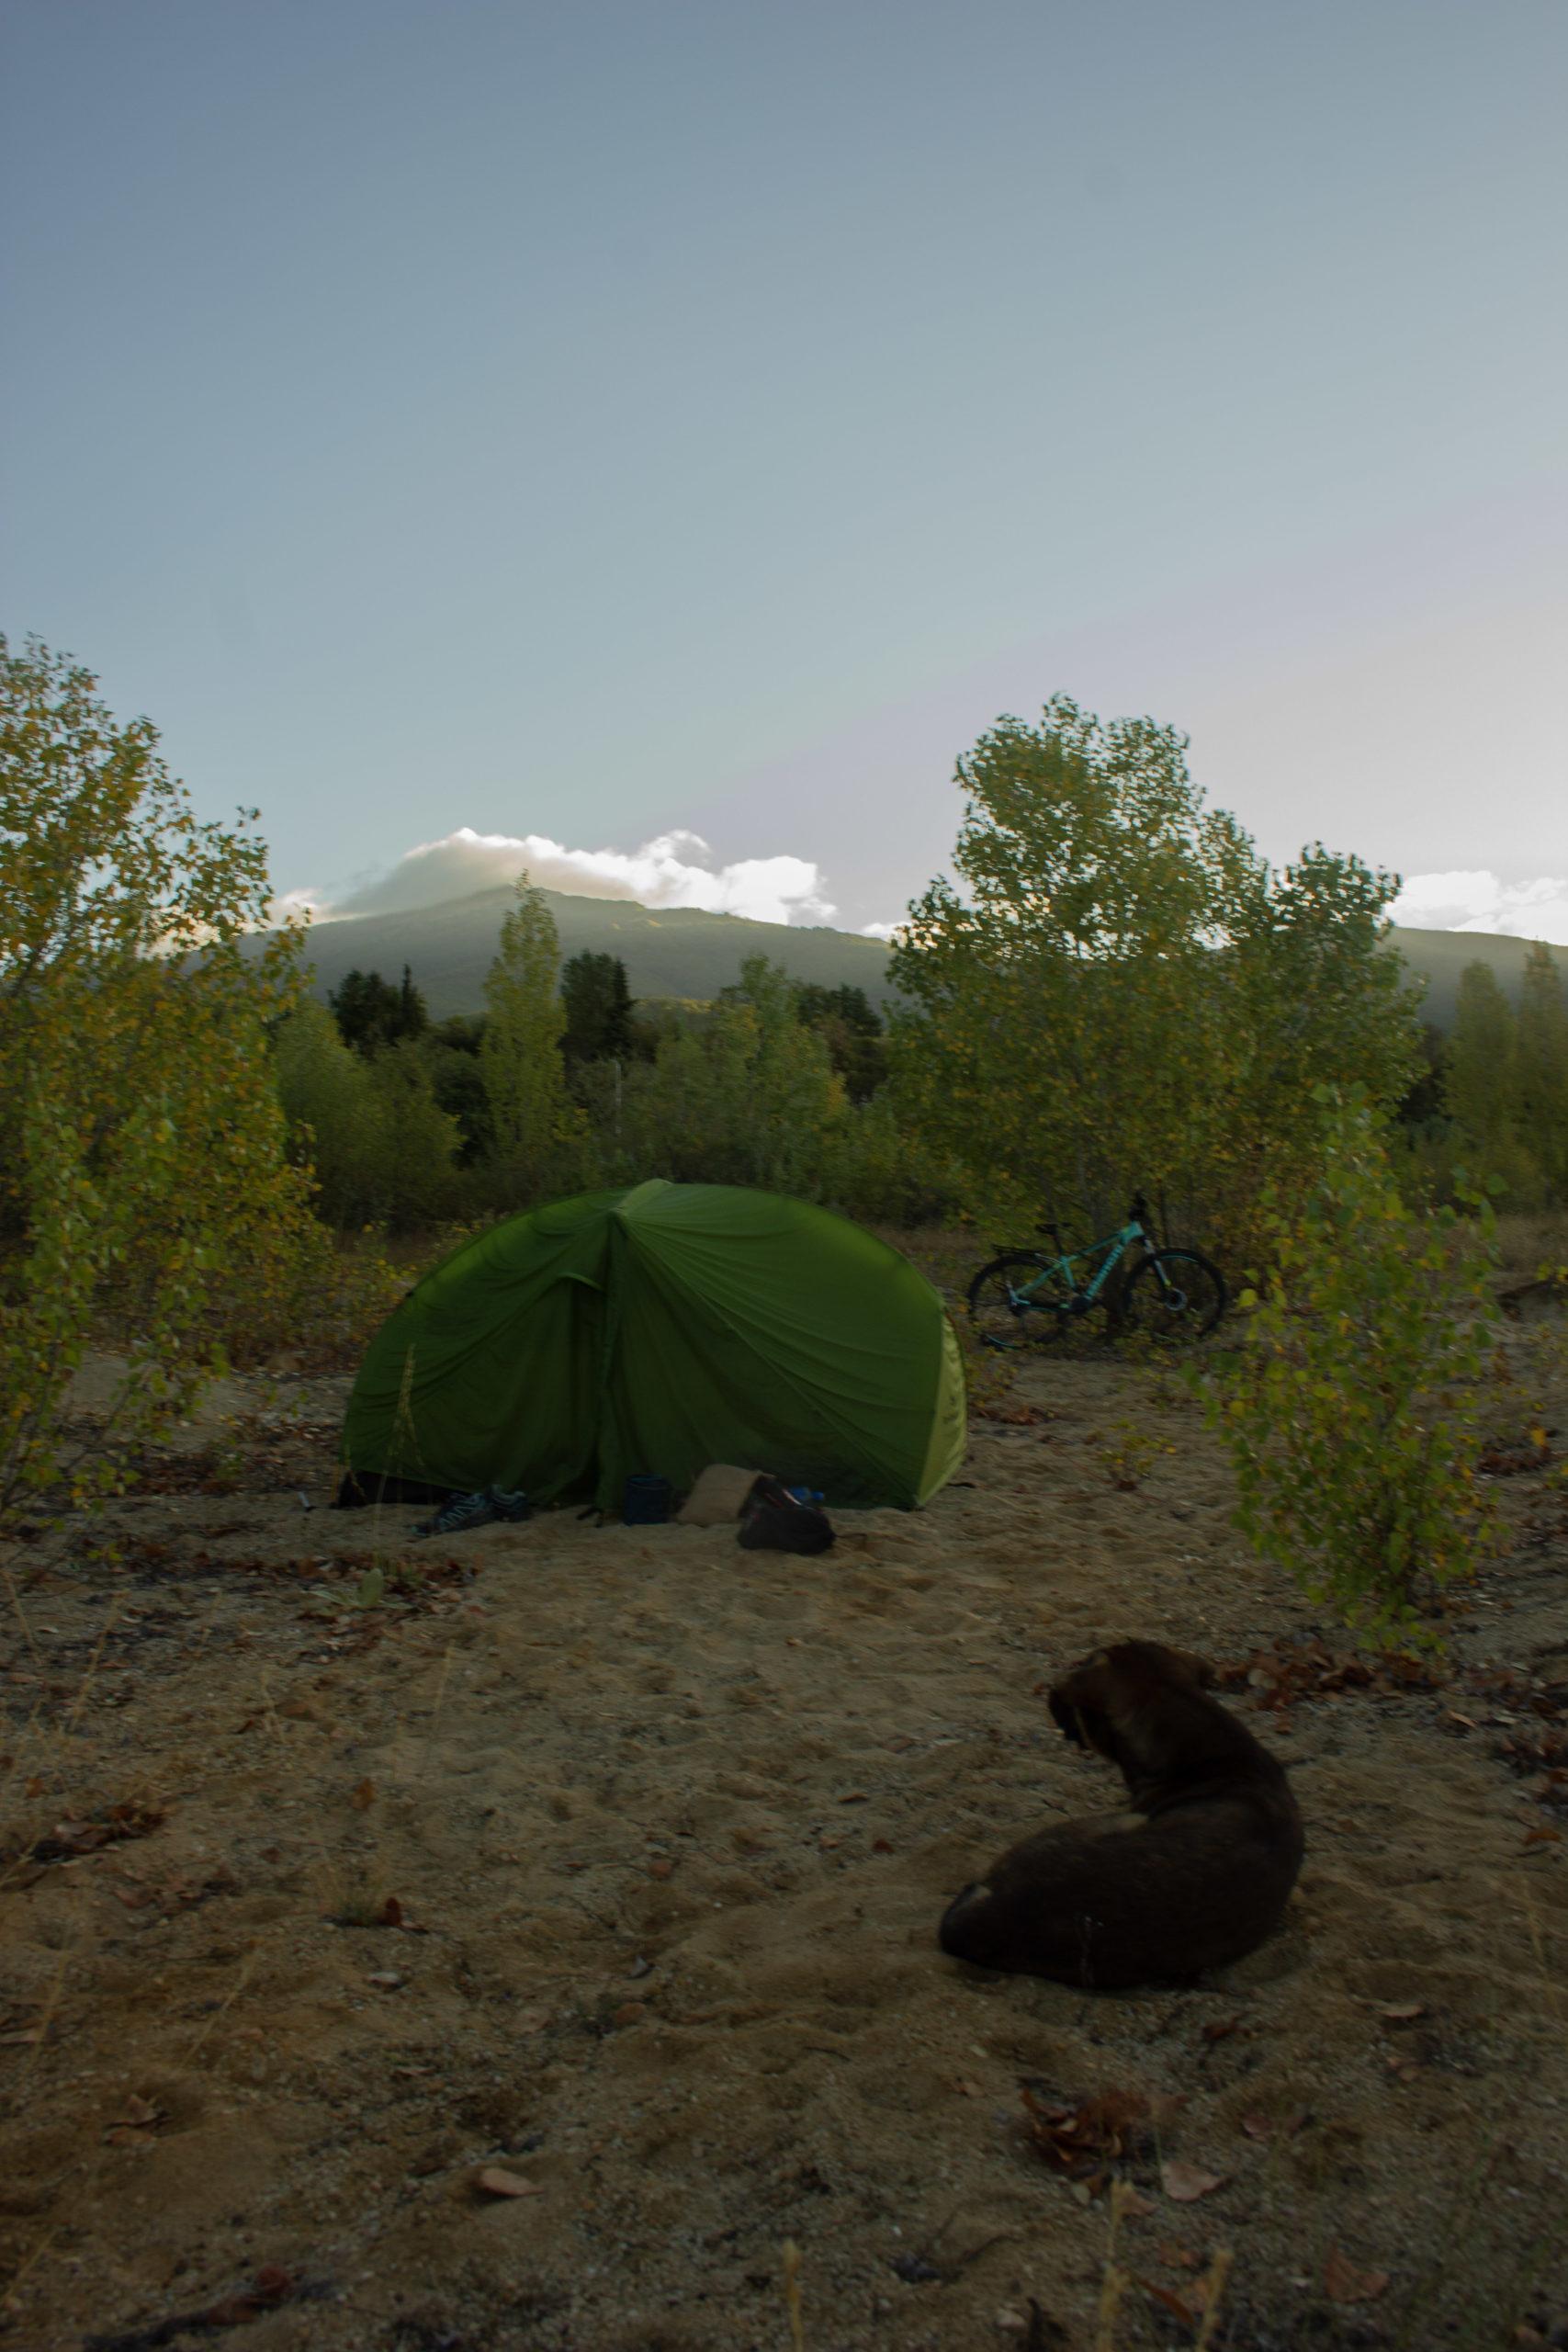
<point>658,1330</point>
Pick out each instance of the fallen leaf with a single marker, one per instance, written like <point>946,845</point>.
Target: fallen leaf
<point>493,2180</point>
<point>1543,1836</point>
<point>1184,2183</point>
<point>1257,2127</point>
<point>1174,2256</point>
<point>1187,2308</point>
<point>661,1869</point>
<point>1220,2028</point>
<point>1403,2012</point>
<point>884,1845</point>
<point>855,1796</point>
<point>1133,2207</point>
<point>631,2013</point>
<point>362,1796</point>
<point>391,1915</point>
<point>1346,2284</point>
<point>1075,2139</point>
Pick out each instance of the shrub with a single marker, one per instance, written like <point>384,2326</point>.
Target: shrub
<point>1353,1412</point>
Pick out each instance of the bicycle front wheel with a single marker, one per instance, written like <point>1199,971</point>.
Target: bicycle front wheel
<point>1173,1298</point>
<point>1003,1317</point>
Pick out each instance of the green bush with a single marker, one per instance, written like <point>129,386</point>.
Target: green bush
<point>1353,1411</point>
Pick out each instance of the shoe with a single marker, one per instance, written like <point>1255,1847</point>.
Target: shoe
<point>455,1518</point>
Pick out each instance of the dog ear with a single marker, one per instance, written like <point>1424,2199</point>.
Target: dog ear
<point>1080,1703</point>
<point>1065,1717</point>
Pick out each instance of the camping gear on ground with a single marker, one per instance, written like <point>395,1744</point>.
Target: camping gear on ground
<point>660,1330</point>
<point>648,1500</point>
<point>455,1518</point>
<point>773,1520</point>
<point>718,1498</point>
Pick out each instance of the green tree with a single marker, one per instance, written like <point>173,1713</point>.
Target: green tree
<point>747,1096</point>
<point>145,1193</point>
<point>1122,994</point>
<point>1353,1413</point>
<point>1541,1068</point>
<point>851,1028</point>
<point>328,1101</point>
<point>451,1051</point>
<point>538,1132</point>
<point>371,1013</point>
<point>380,1145</point>
<point>418,1142</point>
<point>1481,1087</point>
<point>598,1008</point>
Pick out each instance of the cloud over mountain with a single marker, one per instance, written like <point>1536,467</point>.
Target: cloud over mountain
<point>1474,900</point>
<point>674,869</point>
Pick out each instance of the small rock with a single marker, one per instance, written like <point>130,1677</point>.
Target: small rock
<point>494,2180</point>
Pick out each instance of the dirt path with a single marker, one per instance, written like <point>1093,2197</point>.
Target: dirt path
<point>657,1833</point>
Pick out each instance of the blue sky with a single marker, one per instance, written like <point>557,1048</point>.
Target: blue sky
<point>588,424</point>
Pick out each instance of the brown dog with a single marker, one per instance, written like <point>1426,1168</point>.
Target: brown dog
<point>1194,1876</point>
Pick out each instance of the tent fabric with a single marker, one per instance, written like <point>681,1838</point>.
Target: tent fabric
<point>658,1330</point>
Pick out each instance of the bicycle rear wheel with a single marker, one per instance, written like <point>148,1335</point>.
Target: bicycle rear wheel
<point>1002,1319</point>
<point>1172,1298</point>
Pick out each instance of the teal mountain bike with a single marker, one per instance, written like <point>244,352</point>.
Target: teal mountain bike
<point>1026,1297</point>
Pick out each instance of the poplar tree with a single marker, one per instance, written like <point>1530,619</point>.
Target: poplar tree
<point>146,1196</point>
<point>1541,1068</point>
<point>1482,1076</point>
<point>1118,993</point>
<point>537,1131</point>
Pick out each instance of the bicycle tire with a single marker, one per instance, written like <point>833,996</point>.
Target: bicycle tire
<point>1001,1323</point>
<point>1174,1297</point>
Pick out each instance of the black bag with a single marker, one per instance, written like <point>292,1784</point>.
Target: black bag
<point>771,1520</point>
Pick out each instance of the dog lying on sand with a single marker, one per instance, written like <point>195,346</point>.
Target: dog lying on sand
<point>1196,1875</point>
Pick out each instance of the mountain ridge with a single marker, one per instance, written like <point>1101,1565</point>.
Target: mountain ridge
<point>690,953</point>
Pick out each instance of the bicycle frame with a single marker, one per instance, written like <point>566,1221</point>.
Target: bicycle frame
<point>1109,1251</point>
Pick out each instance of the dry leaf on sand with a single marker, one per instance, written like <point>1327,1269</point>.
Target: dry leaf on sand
<point>1186,2183</point>
<point>1075,2139</point>
<point>1346,2284</point>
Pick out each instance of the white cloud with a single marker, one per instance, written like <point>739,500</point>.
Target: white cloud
<point>1474,900</point>
<point>673,870</point>
<point>294,904</point>
<point>879,930</point>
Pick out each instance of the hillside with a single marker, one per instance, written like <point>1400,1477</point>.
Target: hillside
<point>671,951</point>
<point>683,952</point>
<point>1439,958</point>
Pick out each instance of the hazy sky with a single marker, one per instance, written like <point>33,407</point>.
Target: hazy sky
<point>596,423</point>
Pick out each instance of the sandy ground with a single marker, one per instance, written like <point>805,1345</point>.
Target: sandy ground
<point>666,1829</point>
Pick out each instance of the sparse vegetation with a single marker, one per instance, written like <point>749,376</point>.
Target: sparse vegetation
<point>1354,1410</point>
